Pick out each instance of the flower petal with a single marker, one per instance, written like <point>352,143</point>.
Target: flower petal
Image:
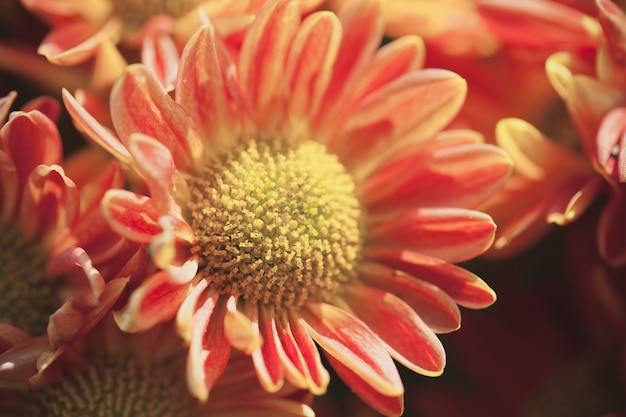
<point>209,349</point>
<point>18,364</point>
<point>241,331</point>
<point>310,62</point>
<point>440,174</point>
<point>431,303</point>
<point>9,189</point>
<point>351,342</point>
<point>417,104</point>
<point>408,339</point>
<point>155,301</point>
<point>262,60</point>
<point>611,239</point>
<point>202,90</point>
<point>268,357</point>
<point>390,406</point>
<point>139,104</point>
<point>464,287</point>
<point>133,216</point>
<point>451,234</point>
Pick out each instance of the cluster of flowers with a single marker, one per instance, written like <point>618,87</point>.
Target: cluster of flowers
<point>277,193</point>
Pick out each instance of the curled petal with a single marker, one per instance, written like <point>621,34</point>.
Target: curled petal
<point>19,363</point>
<point>405,334</point>
<point>317,376</point>
<point>268,358</point>
<point>133,216</point>
<point>155,301</point>
<point>351,342</point>
<point>11,336</point>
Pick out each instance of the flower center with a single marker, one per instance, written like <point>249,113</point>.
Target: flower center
<point>276,223</point>
<point>135,13</point>
<point>27,296</point>
<point>114,387</point>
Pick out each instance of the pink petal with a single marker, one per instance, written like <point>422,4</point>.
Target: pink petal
<point>155,301</point>
<point>418,104</point>
<point>209,349</point>
<point>317,376</point>
<point>139,104</point>
<point>31,139</point>
<point>47,105</point>
<point>310,62</point>
<point>351,342</point>
<point>263,58</point>
<point>88,125</point>
<point>451,234</point>
<point>437,176</point>
<point>390,406</point>
<point>611,140</point>
<point>560,26</point>
<point>432,304</point>
<point>11,336</point>
<point>407,338</point>
<point>202,91</point>
<point>50,203</point>
<point>464,287</point>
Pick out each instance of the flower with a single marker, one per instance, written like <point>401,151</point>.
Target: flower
<point>108,372</point>
<point>62,266</point>
<point>557,184</point>
<point>83,29</point>
<point>303,192</point>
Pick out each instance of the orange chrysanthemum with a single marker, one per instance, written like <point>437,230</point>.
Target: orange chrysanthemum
<point>305,192</point>
<point>62,267</point>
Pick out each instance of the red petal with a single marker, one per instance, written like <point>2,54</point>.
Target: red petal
<point>539,24</point>
<point>464,287</point>
<point>50,203</point>
<point>441,174</point>
<point>408,339</point>
<point>317,376</point>
<point>453,235</point>
<point>431,303</point>
<point>209,349</point>
<point>133,216</point>
<point>611,238</point>
<point>31,139</point>
<point>155,301</point>
<point>140,105</point>
<point>390,406</point>
<point>310,62</point>
<point>267,359</point>
<point>351,342</point>
<point>262,60</point>
<point>202,92</point>
<point>418,104</point>
<point>9,191</point>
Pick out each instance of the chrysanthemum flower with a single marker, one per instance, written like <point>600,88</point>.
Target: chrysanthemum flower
<point>303,193</point>
<point>558,185</point>
<point>111,373</point>
<point>60,260</point>
<point>82,29</point>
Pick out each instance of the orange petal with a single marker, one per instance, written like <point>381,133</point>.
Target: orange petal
<point>464,287</point>
<point>351,342</point>
<point>431,303</point>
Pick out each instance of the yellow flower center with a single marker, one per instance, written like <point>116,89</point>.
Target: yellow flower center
<point>135,13</point>
<point>27,296</point>
<point>115,387</point>
<point>276,224</point>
